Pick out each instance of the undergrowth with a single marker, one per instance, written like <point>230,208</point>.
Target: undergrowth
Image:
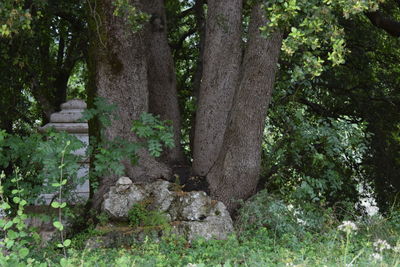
<point>262,238</point>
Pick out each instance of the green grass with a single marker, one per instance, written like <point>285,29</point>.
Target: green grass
<point>258,247</point>
<point>269,233</point>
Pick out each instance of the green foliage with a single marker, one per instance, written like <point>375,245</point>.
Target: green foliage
<point>313,28</point>
<point>108,154</point>
<point>77,82</point>
<point>18,239</point>
<point>131,14</point>
<point>102,111</point>
<point>155,132</point>
<point>59,160</point>
<point>281,218</point>
<point>103,218</point>
<point>60,204</point>
<point>335,247</point>
<point>40,44</point>
<point>140,215</point>
<point>36,158</point>
<point>79,240</point>
<point>14,17</point>
<point>310,158</point>
<point>260,241</point>
<point>137,214</point>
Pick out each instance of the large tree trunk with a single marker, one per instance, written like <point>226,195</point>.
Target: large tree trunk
<point>163,97</point>
<point>235,174</point>
<point>198,74</point>
<point>221,69</point>
<point>119,69</point>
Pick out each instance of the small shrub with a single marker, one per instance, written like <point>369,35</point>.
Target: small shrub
<point>103,218</point>
<point>139,215</point>
<point>267,210</point>
<point>136,215</point>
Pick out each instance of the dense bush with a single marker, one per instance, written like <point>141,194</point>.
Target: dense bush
<point>36,158</point>
<point>265,210</point>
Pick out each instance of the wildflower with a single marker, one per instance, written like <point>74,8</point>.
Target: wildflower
<point>348,227</point>
<point>381,245</point>
<point>376,256</point>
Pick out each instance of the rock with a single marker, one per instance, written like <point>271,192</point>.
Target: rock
<point>193,214</point>
<point>123,184</point>
<point>161,195</point>
<point>117,204</point>
<point>192,206</point>
<point>211,228</point>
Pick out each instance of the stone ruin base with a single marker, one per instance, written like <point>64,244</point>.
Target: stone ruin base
<point>190,214</point>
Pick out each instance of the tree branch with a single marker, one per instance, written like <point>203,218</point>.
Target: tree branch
<point>179,44</point>
<point>75,22</point>
<point>380,20</point>
<point>324,112</point>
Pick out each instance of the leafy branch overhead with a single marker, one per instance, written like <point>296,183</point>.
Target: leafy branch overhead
<point>311,28</point>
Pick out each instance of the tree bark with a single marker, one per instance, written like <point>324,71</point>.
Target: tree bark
<point>119,70</point>
<point>198,74</point>
<point>163,96</point>
<point>221,69</point>
<point>235,174</point>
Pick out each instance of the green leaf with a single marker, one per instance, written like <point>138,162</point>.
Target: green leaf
<point>8,225</point>
<point>63,205</point>
<point>67,242</point>
<point>64,262</point>
<point>5,206</point>
<point>12,234</point>
<point>23,252</point>
<point>55,204</point>
<point>58,225</point>
<point>16,200</point>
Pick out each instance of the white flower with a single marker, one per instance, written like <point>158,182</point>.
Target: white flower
<point>348,226</point>
<point>381,245</point>
<point>376,256</point>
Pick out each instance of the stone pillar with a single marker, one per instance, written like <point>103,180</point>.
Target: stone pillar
<point>68,120</point>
